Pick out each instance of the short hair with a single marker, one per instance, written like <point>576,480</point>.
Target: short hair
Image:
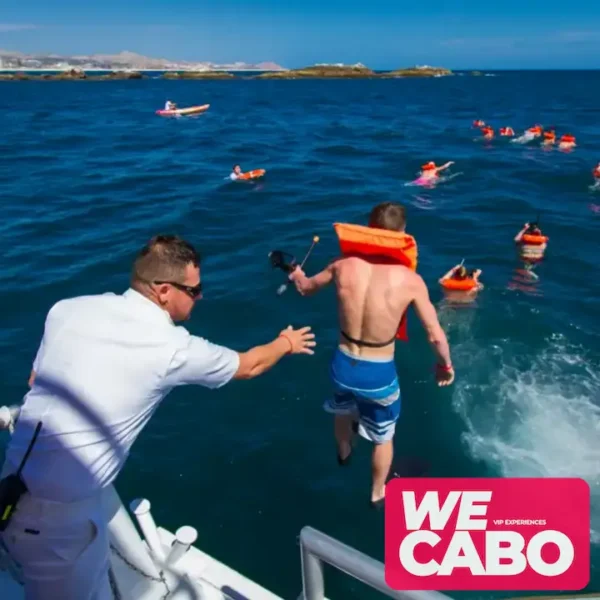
<point>164,258</point>
<point>388,215</point>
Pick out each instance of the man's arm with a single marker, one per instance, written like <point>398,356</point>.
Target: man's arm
<point>428,317</point>
<point>307,286</point>
<point>200,362</point>
<point>259,359</point>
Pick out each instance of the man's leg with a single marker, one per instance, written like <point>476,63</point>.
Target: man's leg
<point>377,423</point>
<point>343,437</point>
<point>383,455</point>
<point>343,407</point>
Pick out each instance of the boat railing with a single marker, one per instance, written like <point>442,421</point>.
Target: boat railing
<point>317,548</point>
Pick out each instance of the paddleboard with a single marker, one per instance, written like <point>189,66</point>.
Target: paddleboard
<point>192,110</point>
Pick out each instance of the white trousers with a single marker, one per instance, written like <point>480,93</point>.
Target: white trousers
<point>61,549</point>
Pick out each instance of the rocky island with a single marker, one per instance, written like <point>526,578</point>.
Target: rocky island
<point>322,72</point>
<point>358,71</point>
<point>418,72</point>
<point>198,75</point>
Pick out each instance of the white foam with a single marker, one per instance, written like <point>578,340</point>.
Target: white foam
<point>533,416</point>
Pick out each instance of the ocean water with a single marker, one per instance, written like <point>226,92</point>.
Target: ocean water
<point>88,173</point>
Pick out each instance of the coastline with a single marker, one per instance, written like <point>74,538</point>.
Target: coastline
<point>131,70</point>
<point>310,72</point>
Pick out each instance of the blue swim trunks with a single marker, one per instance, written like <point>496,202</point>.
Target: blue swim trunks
<point>369,389</point>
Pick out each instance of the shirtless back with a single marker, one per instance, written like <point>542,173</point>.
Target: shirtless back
<point>372,298</point>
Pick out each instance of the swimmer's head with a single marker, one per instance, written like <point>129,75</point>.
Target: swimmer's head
<point>533,228</point>
<point>460,273</point>
<point>430,166</point>
<point>388,215</point>
<point>237,169</point>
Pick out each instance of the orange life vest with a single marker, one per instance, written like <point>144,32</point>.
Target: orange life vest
<point>400,248</point>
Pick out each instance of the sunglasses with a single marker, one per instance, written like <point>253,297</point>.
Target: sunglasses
<point>193,291</point>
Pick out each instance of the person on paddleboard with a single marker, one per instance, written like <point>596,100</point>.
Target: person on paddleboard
<point>376,282</point>
<point>170,105</point>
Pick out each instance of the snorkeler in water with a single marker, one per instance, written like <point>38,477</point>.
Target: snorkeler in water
<point>567,142</point>
<point>488,132</point>
<point>461,284</point>
<point>430,172</point>
<point>461,278</point>
<point>549,138</point>
<point>596,172</point>
<point>531,134</point>
<point>507,131</point>
<point>235,173</point>
<point>532,243</point>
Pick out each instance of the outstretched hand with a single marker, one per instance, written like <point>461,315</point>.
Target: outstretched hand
<point>296,274</point>
<point>301,341</point>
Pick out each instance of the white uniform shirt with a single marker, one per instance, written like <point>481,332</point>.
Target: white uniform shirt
<point>104,364</point>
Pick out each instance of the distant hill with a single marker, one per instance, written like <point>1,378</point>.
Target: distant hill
<point>122,61</point>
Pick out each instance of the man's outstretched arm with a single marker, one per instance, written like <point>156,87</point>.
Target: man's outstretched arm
<point>309,285</point>
<point>435,334</point>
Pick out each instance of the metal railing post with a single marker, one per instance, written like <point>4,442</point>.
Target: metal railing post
<point>313,580</point>
<point>317,548</point>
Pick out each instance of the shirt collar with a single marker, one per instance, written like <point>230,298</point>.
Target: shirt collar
<point>131,294</point>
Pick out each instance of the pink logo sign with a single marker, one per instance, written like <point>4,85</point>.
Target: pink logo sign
<point>487,534</point>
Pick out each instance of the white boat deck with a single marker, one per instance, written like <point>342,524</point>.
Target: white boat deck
<point>167,566</point>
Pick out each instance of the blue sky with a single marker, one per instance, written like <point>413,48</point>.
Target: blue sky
<point>380,33</point>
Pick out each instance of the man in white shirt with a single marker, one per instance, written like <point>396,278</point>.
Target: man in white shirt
<point>104,365</point>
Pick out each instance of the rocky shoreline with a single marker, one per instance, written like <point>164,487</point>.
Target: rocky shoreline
<point>314,72</point>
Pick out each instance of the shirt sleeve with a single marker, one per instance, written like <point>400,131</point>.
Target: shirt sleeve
<point>47,324</point>
<point>200,362</point>
<point>38,356</point>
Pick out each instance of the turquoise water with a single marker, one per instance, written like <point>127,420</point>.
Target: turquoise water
<point>89,173</point>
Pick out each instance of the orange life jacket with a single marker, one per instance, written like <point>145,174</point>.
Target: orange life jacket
<point>400,248</point>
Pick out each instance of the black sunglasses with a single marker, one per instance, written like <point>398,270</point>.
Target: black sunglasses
<point>193,291</point>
